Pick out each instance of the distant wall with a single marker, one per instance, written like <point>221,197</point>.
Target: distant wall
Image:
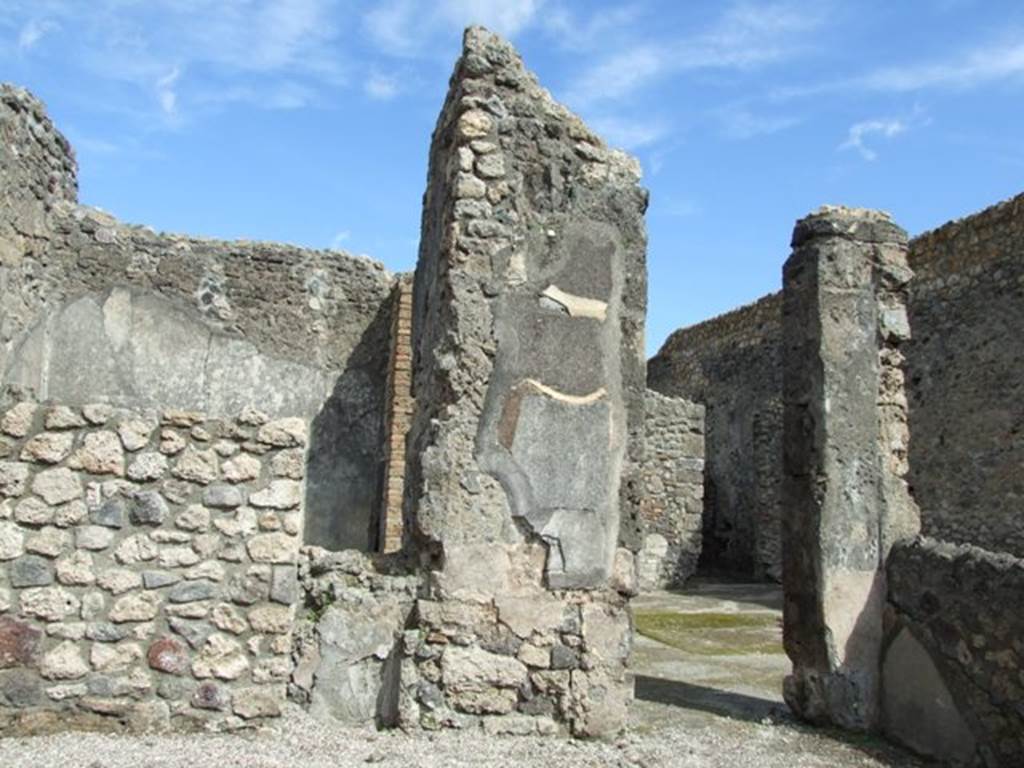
<point>953,679</point>
<point>147,566</point>
<point>731,364</point>
<point>965,382</point>
<point>93,310</point>
<point>966,366</point>
<point>671,479</point>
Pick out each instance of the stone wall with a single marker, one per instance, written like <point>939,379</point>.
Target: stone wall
<point>966,362</point>
<point>529,302</point>
<point>671,482</point>
<point>147,565</point>
<point>953,675</point>
<point>963,361</point>
<point>351,634</point>
<point>172,321</point>
<point>731,364</point>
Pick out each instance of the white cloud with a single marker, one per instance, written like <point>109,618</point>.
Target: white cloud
<point>381,87</point>
<point>886,128</point>
<point>339,239</point>
<point>977,67</point>
<point>740,124</point>
<point>743,37</point>
<point>34,31</point>
<point>166,94</point>
<point>279,51</point>
<point>407,27</point>
<point>629,133</point>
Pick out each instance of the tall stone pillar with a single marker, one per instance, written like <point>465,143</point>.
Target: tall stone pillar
<point>528,380</point>
<point>845,499</point>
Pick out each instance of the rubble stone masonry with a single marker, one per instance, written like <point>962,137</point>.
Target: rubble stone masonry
<point>147,566</point>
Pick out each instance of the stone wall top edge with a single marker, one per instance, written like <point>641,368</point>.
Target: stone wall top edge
<point>722,329</point>
<point>924,248</point>
<point>96,218</point>
<point>948,552</point>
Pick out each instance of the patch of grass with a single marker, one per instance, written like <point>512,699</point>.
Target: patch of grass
<point>712,634</point>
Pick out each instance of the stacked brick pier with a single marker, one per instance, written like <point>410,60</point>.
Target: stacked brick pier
<point>845,456</point>
<point>528,315</point>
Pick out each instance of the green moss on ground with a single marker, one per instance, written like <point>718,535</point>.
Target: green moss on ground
<point>712,634</point>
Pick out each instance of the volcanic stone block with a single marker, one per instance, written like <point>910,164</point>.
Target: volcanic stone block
<point>845,440</point>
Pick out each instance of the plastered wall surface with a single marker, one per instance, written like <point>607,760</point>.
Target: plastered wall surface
<point>147,566</point>
<point>163,320</point>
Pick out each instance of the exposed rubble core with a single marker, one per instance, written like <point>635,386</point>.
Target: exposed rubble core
<point>527,338</point>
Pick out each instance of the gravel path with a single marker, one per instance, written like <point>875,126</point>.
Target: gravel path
<point>298,741</point>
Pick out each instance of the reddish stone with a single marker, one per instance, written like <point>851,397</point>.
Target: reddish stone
<point>168,655</point>
<point>18,642</point>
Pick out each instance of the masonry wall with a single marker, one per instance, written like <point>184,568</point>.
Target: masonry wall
<point>966,366</point>
<point>731,364</point>
<point>529,301</point>
<point>964,385</point>
<point>147,566</point>
<point>161,320</point>
<point>671,481</point>
<point>953,679</point>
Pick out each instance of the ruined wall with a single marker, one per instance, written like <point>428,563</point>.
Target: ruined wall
<point>529,301</point>
<point>732,365</point>
<point>171,321</point>
<point>350,636</point>
<point>147,566</point>
<point>967,378</point>
<point>964,386</point>
<point>671,484</point>
<point>953,675</point>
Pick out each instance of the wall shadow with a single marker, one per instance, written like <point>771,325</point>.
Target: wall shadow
<point>344,460</point>
<point>718,702</point>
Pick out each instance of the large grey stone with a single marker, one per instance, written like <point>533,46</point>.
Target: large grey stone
<point>917,708</point>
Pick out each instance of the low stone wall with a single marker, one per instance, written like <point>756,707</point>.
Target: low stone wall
<point>671,480</point>
<point>953,676</point>
<point>147,566</point>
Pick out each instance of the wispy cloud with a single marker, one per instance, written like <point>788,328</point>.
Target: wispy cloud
<point>408,27</point>
<point>338,241</point>
<point>629,133</point>
<point>859,132</point>
<point>166,94</point>
<point>227,47</point>
<point>977,67</point>
<point>33,31</point>
<point>381,87</point>
<point>743,37</point>
<point>740,123</point>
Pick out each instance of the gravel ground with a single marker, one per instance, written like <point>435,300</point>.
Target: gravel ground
<point>301,742</point>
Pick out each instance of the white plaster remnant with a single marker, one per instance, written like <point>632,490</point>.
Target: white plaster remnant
<point>577,306</point>
<point>554,394</point>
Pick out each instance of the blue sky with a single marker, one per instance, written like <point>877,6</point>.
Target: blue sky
<point>308,121</point>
